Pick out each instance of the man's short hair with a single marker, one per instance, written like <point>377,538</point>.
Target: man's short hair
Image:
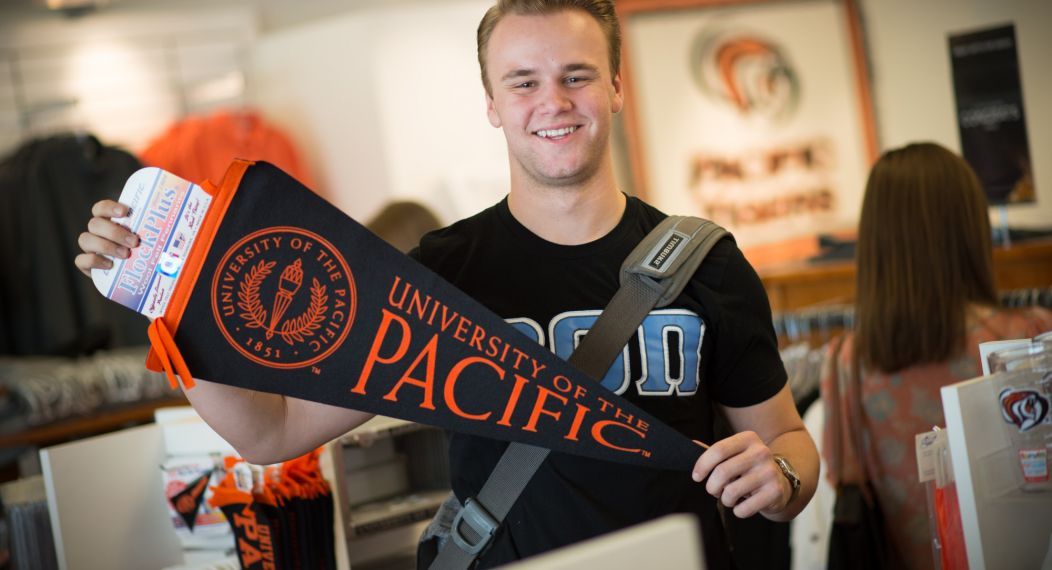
<point>602,10</point>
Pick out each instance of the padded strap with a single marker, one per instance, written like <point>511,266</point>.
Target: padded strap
<point>653,275</point>
<point>671,253</point>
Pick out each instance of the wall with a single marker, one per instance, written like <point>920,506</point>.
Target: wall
<point>384,98</point>
<point>389,104</point>
<point>123,75</point>
<point>913,87</point>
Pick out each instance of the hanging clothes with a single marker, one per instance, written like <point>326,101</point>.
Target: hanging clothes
<point>201,148</point>
<point>47,188</point>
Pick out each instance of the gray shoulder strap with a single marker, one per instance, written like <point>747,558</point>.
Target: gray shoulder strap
<point>671,253</point>
<point>653,275</point>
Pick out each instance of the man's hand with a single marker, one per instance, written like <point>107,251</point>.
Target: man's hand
<point>104,237</point>
<point>743,476</point>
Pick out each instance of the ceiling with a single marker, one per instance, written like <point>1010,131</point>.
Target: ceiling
<point>273,14</point>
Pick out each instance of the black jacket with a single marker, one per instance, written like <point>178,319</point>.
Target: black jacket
<point>47,307</point>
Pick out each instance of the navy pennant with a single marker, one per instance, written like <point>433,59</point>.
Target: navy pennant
<point>188,501</point>
<point>284,293</point>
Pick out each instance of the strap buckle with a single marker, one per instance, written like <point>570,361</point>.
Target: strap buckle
<point>478,518</point>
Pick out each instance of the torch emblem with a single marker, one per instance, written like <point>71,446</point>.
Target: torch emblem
<point>291,279</point>
<point>292,330</point>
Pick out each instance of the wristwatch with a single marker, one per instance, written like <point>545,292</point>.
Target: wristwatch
<point>790,474</point>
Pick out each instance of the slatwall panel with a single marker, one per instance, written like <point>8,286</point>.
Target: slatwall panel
<point>10,128</point>
<point>126,84</point>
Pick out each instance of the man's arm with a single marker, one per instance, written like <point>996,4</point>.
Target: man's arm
<point>741,470</point>
<point>268,428</point>
<point>263,428</point>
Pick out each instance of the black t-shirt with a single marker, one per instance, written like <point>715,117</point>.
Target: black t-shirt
<point>714,343</point>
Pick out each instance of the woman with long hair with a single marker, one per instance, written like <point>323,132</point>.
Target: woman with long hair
<point>925,300</point>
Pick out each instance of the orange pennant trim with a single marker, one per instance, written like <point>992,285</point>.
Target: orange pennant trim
<point>171,359</point>
<point>222,197</point>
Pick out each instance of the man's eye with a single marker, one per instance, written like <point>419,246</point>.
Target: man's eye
<point>575,80</point>
<point>525,85</point>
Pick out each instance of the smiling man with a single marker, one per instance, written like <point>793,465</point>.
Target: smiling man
<point>547,259</point>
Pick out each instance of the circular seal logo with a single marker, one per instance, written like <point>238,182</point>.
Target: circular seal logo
<point>284,297</point>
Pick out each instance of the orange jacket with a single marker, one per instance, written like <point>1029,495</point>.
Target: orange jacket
<point>201,148</point>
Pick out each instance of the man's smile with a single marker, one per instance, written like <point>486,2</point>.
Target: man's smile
<point>557,133</point>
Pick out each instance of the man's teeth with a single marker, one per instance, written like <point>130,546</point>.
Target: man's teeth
<point>556,132</point>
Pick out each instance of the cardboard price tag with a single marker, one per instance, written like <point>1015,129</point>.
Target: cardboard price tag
<point>166,213</point>
<point>930,446</point>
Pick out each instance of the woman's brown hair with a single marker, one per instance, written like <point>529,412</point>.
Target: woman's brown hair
<point>924,256</point>
<point>403,223</point>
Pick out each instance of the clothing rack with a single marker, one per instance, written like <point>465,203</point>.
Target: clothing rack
<point>819,324</point>
<point>814,324</point>
<point>1033,297</point>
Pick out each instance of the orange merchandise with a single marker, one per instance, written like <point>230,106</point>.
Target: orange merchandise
<point>201,148</point>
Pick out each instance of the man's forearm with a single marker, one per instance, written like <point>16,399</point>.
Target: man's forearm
<point>268,428</point>
<point>250,421</point>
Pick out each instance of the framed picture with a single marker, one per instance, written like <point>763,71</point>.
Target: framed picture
<point>755,114</point>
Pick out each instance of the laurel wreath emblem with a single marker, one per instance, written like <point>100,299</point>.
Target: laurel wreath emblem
<point>248,295</point>
<point>292,330</point>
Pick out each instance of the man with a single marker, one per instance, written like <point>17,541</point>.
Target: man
<point>547,254</point>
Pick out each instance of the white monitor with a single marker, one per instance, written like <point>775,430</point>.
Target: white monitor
<point>106,502</point>
<point>671,542</point>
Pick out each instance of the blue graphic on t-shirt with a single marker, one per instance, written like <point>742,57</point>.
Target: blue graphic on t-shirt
<point>669,345</point>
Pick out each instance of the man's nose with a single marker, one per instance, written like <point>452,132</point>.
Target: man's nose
<point>555,98</point>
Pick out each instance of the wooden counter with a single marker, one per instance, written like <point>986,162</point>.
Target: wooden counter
<point>793,286</point>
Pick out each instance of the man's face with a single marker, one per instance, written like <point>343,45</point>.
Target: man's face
<point>552,94</point>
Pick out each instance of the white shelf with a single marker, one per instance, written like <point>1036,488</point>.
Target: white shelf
<point>379,427</point>
<point>1003,527</point>
<point>383,529</point>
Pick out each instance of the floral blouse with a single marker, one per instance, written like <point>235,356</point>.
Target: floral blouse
<point>896,407</point>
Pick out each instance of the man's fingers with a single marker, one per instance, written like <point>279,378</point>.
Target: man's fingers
<point>727,473</point>
<point>104,238</point>
<point>759,501</point>
<point>109,209</point>
<point>718,453</point>
<point>116,233</point>
<point>741,488</point>
<point>761,488</point>
<point>91,243</point>
<point>88,261</point>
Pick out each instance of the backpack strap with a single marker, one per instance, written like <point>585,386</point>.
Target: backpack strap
<point>671,253</point>
<point>653,275</point>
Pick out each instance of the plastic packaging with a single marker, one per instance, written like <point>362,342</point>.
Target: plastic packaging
<point>1024,387</point>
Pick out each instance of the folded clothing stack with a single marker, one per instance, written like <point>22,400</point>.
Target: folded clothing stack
<point>38,390</point>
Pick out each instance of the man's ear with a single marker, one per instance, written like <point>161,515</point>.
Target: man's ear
<point>494,117</point>
<point>617,100</point>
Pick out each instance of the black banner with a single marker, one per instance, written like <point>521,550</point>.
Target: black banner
<point>990,115</point>
<point>188,501</point>
<point>294,297</point>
